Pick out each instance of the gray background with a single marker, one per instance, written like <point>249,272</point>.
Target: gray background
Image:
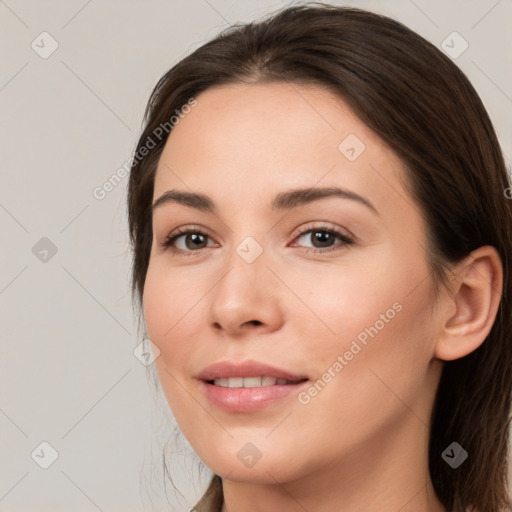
<point>68,122</point>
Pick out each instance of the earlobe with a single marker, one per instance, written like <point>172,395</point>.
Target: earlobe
<point>471,310</point>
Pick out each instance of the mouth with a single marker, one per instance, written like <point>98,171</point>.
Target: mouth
<point>253,382</point>
<point>248,374</point>
<point>247,386</point>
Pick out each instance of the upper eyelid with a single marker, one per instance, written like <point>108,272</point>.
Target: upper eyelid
<point>183,231</point>
<point>323,227</point>
<point>299,231</point>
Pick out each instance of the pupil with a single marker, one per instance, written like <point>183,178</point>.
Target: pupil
<point>322,236</point>
<point>196,238</point>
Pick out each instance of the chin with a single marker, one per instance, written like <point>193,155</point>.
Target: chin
<point>239,467</point>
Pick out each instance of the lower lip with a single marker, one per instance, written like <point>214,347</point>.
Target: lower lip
<point>247,399</point>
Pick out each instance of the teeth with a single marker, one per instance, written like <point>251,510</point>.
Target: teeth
<point>249,382</point>
<point>252,382</point>
<point>236,382</point>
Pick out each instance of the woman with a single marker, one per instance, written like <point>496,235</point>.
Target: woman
<point>321,236</point>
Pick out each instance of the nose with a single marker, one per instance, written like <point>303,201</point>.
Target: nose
<point>247,297</point>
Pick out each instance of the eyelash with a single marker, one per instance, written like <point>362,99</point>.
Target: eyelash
<point>167,244</point>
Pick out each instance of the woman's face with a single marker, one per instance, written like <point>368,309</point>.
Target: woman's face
<point>332,288</point>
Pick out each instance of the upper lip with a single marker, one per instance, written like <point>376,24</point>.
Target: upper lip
<point>225,369</point>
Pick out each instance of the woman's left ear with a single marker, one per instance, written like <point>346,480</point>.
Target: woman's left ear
<point>468,313</point>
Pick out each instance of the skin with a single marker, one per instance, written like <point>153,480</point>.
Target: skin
<point>363,439</point>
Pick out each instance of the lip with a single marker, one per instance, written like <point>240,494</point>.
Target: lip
<point>224,369</point>
<point>247,399</point>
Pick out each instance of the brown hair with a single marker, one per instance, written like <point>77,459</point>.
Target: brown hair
<point>420,103</point>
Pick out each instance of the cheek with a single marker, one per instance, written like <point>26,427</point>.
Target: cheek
<point>170,317</point>
<point>175,309</point>
<point>380,350</point>
<point>343,303</point>
<point>168,310</point>
<point>376,315</point>
<point>169,298</point>
<point>157,305</point>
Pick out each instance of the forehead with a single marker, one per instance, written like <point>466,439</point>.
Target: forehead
<point>249,137</point>
<point>268,118</point>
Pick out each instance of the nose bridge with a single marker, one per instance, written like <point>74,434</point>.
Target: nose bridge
<point>245,292</point>
<point>248,242</point>
<point>247,268</point>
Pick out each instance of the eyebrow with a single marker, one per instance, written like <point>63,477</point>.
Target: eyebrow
<point>282,201</point>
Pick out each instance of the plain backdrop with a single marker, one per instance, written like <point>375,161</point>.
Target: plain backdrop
<point>74,80</point>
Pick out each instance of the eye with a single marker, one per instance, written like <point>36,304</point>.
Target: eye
<point>193,240</point>
<point>323,237</point>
